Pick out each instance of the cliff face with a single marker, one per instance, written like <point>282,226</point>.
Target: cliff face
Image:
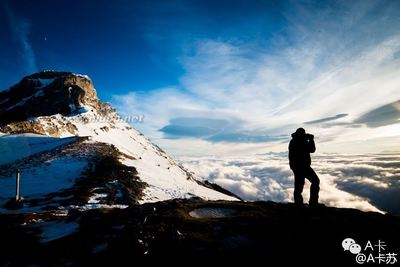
<point>45,94</point>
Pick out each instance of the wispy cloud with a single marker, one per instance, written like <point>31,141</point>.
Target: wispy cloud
<point>330,59</point>
<point>20,28</point>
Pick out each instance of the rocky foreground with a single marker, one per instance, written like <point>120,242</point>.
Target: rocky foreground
<point>197,232</point>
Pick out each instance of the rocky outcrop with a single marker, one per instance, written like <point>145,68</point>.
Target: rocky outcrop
<point>47,93</point>
<point>46,126</point>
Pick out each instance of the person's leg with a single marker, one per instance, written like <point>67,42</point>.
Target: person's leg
<point>298,187</point>
<point>314,189</point>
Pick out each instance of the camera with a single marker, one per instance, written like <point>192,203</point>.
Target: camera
<point>310,136</point>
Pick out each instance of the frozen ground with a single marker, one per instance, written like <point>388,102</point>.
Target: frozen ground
<point>39,181</point>
<point>18,146</point>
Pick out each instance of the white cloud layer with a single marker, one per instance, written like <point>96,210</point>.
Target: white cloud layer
<point>369,182</point>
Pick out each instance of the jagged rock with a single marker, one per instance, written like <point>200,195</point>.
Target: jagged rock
<point>43,127</point>
<point>46,93</point>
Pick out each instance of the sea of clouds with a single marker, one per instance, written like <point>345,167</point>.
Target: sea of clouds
<point>365,182</point>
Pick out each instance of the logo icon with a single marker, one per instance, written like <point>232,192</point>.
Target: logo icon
<point>355,248</point>
<point>347,242</point>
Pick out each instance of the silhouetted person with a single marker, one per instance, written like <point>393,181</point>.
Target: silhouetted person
<point>300,147</point>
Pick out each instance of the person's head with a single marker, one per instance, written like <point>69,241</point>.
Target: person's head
<point>300,133</point>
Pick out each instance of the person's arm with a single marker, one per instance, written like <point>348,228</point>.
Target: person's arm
<point>291,154</point>
<point>311,144</point>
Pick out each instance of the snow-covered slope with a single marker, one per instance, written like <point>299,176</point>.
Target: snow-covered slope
<point>41,180</point>
<point>165,178</point>
<point>81,114</point>
<point>17,146</point>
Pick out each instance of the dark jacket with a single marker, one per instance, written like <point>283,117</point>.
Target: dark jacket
<point>300,148</point>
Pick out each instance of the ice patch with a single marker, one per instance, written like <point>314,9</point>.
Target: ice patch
<point>56,229</point>
<point>212,212</point>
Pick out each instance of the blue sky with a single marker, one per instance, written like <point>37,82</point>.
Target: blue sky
<point>224,77</point>
<point>122,45</point>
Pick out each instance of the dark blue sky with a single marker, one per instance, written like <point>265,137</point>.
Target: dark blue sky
<point>123,45</point>
<point>209,73</point>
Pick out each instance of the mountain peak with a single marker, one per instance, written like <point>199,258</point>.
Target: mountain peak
<point>47,93</point>
<point>51,74</point>
<point>49,106</point>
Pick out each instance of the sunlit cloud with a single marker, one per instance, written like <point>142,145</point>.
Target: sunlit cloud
<point>366,182</point>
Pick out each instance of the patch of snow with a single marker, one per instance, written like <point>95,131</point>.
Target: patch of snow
<point>119,194</point>
<point>52,230</point>
<point>82,76</point>
<point>31,221</point>
<point>45,82</point>
<point>98,206</point>
<point>4,101</point>
<point>212,212</point>
<point>38,181</point>
<point>18,146</point>
<point>26,99</point>
<point>96,198</point>
<point>31,119</point>
<point>99,248</point>
<point>61,212</point>
<point>72,107</point>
